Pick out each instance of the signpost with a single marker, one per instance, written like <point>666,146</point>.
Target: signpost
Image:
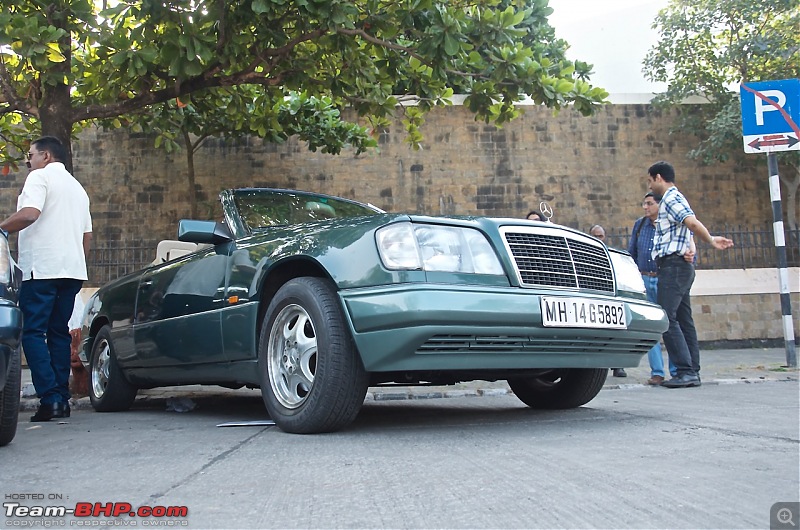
<point>770,117</point>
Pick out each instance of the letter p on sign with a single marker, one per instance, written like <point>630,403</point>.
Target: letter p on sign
<point>762,106</point>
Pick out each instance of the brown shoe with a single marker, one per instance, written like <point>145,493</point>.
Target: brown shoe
<point>655,380</point>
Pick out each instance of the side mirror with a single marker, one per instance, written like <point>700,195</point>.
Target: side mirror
<point>208,232</point>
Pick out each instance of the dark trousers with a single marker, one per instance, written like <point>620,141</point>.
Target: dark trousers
<point>46,309</point>
<point>675,279</point>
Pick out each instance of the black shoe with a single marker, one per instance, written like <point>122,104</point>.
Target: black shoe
<point>49,411</point>
<point>619,372</point>
<point>682,381</point>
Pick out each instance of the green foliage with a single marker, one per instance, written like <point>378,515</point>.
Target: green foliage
<point>276,67</point>
<point>244,110</point>
<point>707,48</point>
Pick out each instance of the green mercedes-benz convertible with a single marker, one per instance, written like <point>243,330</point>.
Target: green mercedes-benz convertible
<point>315,298</point>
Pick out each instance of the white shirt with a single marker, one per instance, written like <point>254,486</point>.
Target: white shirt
<point>52,247</point>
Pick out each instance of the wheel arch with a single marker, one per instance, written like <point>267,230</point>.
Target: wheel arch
<point>278,275</point>
<point>95,327</point>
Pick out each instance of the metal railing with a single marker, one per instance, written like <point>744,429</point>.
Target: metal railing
<point>754,247</point>
<point>111,260</point>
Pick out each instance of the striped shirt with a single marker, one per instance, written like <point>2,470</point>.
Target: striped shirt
<point>672,236</point>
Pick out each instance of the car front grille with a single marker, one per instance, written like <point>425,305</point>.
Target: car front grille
<point>476,344</point>
<point>548,258</point>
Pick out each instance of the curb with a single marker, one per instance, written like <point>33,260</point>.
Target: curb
<point>710,382</point>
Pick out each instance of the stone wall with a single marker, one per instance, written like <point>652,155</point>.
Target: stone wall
<point>592,170</point>
<point>743,305</point>
<point>742,318</point>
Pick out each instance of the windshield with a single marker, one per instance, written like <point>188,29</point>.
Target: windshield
<point>265,208</point>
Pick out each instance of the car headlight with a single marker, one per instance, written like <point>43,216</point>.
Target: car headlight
<point>626,273</point>
<point>403,246</point>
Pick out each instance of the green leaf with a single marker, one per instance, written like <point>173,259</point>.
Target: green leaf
<point>260,7</point>
<point>54,53</point>
<point>148,53</point>
<point>451,45</point>
<point>564,86</point>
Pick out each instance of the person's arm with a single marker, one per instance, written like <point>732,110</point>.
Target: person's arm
<point>718,242</point>
<point>20,219</point>
<point>87,243</point>
<point>690,254</point>
<point>632,246</point>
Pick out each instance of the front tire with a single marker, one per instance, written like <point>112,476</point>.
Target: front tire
<point>312,378</point>
<point>9,400</point>
<point>564,388</point>
<point>109,391</point>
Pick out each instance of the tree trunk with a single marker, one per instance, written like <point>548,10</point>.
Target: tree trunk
<point>190,174</point>
<point>55,110</point>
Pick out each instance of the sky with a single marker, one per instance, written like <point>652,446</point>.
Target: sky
<point>614,36</point>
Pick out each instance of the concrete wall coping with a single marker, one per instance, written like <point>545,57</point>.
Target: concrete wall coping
<point>742,281</point>
<point>617,98</point>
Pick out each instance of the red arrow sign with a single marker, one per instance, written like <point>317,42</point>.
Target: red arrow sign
<point>771,140</point>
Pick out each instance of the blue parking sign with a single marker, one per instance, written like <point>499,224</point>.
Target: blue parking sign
<point>770,116</point>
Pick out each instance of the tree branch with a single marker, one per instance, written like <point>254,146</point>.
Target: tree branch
<point>378,42</point>
<point>392,46</point>
<point>134,104</point>
<point>9,95</point>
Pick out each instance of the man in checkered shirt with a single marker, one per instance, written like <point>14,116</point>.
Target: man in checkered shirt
<point>674,227</point>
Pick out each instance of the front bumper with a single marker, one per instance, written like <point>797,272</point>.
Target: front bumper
<point>441,327</point>
<point>10,324</point>
<point>10,334</point>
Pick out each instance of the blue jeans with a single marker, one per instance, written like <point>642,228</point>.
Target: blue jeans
<point>675,279</point>
<point>46,309</point>
<point>654,355</point>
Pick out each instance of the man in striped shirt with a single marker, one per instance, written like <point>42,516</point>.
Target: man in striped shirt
<point>640,248</point>
<point>674,227</point>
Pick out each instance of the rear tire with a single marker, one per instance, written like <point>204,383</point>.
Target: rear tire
<point>109,391</point>
<point>312,378</point>
<point>564,388</point>
<point>9,400</point>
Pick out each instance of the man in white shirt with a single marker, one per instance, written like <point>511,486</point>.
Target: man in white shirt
<point>55,233</point>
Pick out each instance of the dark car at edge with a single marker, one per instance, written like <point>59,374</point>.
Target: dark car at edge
<point>10,350</point>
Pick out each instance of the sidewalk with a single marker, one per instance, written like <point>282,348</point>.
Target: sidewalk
<point>718,367</point>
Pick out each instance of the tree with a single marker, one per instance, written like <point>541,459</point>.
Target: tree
<point>707,48</point>
<point>239,111</point>
<point>63,64</point>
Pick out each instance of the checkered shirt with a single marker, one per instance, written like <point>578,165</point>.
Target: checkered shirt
<point>672,236</point>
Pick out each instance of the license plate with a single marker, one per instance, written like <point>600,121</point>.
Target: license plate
<point>582,313</point>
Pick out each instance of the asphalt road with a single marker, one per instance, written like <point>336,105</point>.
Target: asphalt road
<point>712,457</point>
